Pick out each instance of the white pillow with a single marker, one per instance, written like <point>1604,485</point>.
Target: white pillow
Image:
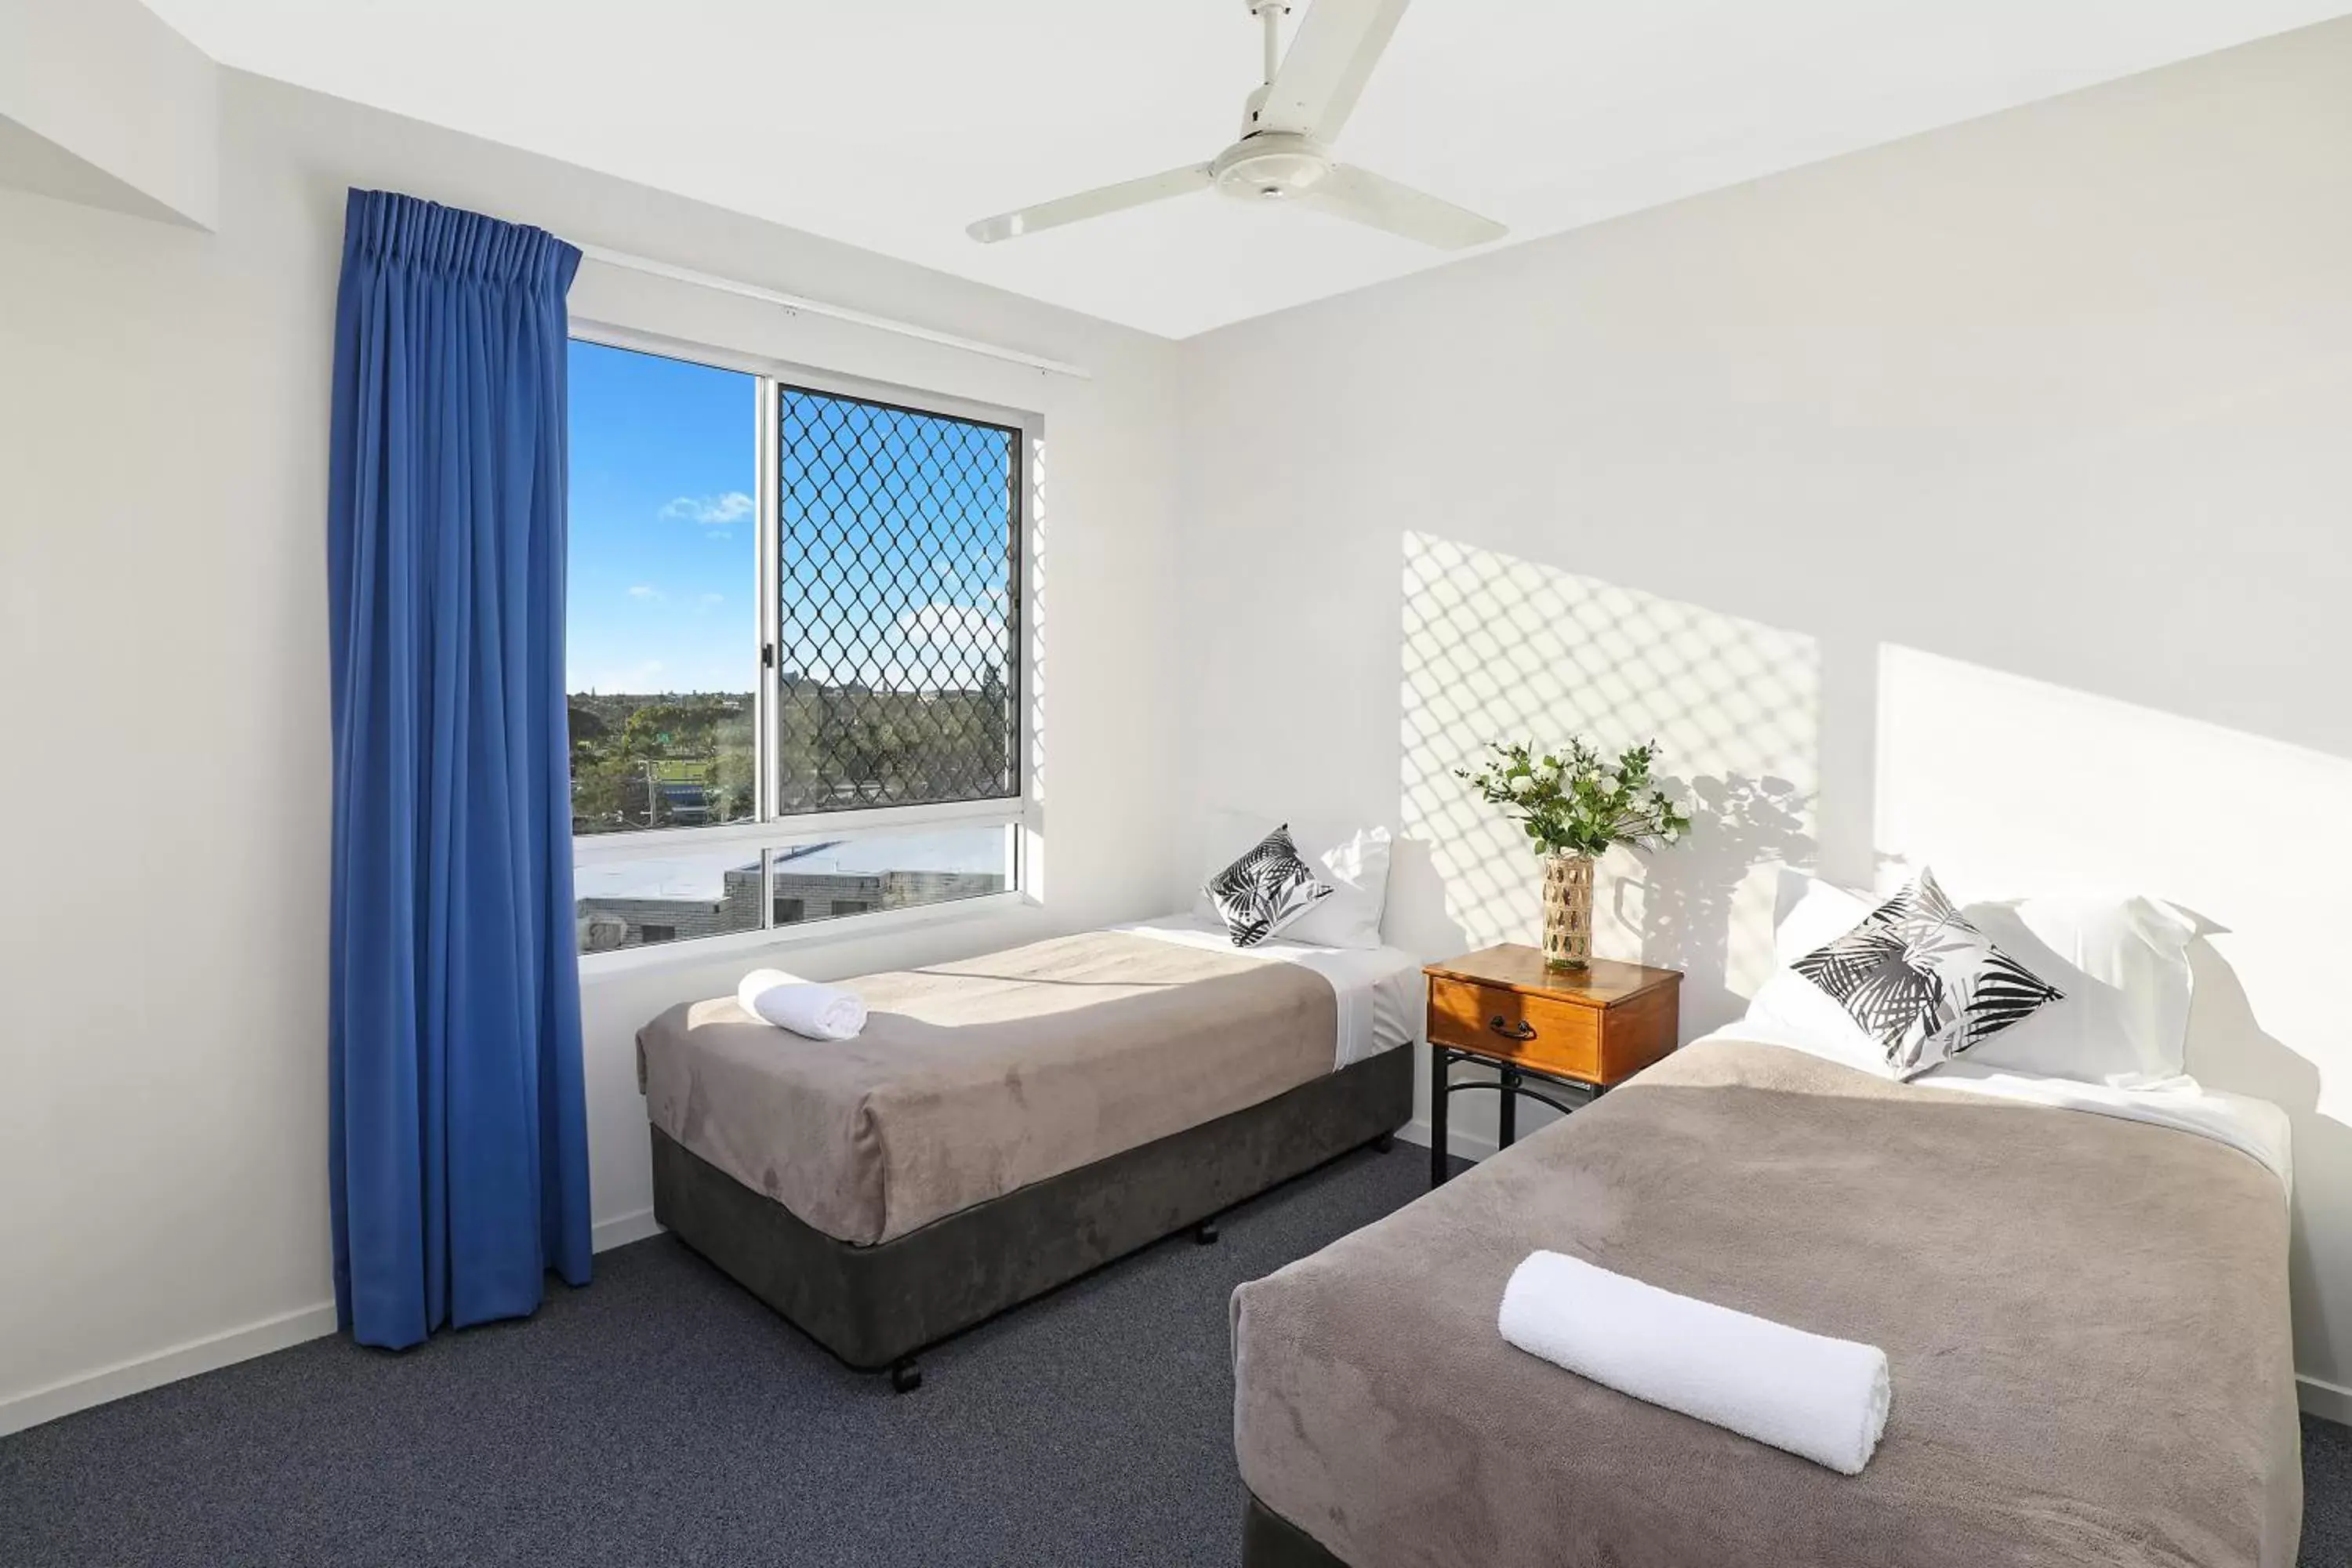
<point>1358,870</point>
<point>1791,1010</point>
<point>2123,963</point>
<point>1355,865</point>
<point>1823,913</point>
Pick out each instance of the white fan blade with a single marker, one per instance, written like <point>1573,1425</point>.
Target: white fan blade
<point>1091,204</point>
<point>1361,196</point>
<point>1324,70</point>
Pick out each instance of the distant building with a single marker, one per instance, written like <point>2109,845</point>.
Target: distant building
<point>820,883</point>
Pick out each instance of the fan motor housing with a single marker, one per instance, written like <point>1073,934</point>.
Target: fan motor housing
<point>1270,165</point>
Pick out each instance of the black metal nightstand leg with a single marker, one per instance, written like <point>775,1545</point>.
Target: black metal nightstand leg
<point>1437,1097</point>
<point>1507,1118</point>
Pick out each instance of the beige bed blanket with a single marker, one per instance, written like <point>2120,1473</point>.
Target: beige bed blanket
<point>2086,1321</point>
<point>976,1078</point>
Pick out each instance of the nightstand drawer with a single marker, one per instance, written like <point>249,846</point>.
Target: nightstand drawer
<point>1547,1035</point>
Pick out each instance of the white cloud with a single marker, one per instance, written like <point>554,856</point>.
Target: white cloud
<point>712,601</point>
<point>958,642</point>
<point>709,511</point>
<point>645,591</point>
<point>952,625</point>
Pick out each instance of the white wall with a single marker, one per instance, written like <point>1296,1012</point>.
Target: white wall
<point>1985,500</point>
<point>164,408</point>
<point>100,102</point>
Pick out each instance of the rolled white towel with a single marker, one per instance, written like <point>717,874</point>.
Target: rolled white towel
<point>820,1012</point>
<point>1821,1399</point>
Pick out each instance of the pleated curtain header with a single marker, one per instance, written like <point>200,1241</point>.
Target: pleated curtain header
<point>389,229</point>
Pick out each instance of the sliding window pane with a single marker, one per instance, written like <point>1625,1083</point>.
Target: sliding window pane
<point>898,542</point>
<point>875,871</point>
<point>662,655</point>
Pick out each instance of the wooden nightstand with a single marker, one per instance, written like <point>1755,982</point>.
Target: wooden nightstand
<point>1586,1029</point>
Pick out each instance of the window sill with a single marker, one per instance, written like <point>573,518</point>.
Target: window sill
<point>589,848</point>
<point>739,945</point>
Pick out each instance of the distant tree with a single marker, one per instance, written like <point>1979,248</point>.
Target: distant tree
<point>836,746</point>
<point>617,739</point>
<point>585,725</point>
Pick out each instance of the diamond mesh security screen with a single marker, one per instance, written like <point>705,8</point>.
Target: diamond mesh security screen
<point>899,539</point>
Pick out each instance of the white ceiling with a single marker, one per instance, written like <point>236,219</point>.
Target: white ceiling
<point>892,124</point>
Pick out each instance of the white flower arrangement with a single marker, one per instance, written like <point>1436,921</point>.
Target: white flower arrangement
<point>1574,801</point>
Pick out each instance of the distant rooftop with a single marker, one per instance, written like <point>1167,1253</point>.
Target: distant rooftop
<point>700,876</point>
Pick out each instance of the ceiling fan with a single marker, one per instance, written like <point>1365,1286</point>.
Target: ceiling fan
<point>1284,153</point>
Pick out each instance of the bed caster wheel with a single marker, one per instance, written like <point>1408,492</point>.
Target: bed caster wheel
<point>905,1376</point>
<point>1205,1232</point>
<point>1384,1143</point>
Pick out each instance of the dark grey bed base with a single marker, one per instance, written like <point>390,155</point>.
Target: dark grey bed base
<point>876,1306</point>
<point>1270,1540</point>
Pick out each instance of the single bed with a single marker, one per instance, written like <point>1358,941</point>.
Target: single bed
<point>2085,1316</point>
<point>1007,1122</point>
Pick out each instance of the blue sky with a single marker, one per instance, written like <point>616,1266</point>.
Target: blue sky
<point>894,526</point>
<point>665,457</point>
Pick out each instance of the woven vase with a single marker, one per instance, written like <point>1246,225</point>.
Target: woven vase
<point>1568,911</point>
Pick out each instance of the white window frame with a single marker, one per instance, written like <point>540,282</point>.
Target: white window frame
<point>1021,813</point>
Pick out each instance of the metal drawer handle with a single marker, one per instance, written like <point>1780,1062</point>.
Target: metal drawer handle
<point>1523,1030</point>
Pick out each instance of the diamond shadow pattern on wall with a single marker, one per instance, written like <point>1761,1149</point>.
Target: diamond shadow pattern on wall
<point>1496,647</point>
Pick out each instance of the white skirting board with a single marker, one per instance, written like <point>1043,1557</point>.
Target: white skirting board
<point>213,1352</point>
<point>2324,1399</point>
<point>143,1372</point>
<point>624,1229</point>
<point>1459,1139</point>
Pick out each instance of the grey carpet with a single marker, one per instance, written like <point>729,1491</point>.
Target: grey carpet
<point>662,1415</point>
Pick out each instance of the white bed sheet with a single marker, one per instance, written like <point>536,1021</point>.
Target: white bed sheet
<point>1376,986</point>
<point>2253,1127</point>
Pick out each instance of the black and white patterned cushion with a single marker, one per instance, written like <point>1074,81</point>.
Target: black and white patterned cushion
<point>1265,890</point>
<point>1923,982</point>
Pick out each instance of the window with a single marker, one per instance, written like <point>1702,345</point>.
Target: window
<point>795,658</point>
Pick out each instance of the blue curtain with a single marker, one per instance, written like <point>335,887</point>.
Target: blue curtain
<point>458,1133</point>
